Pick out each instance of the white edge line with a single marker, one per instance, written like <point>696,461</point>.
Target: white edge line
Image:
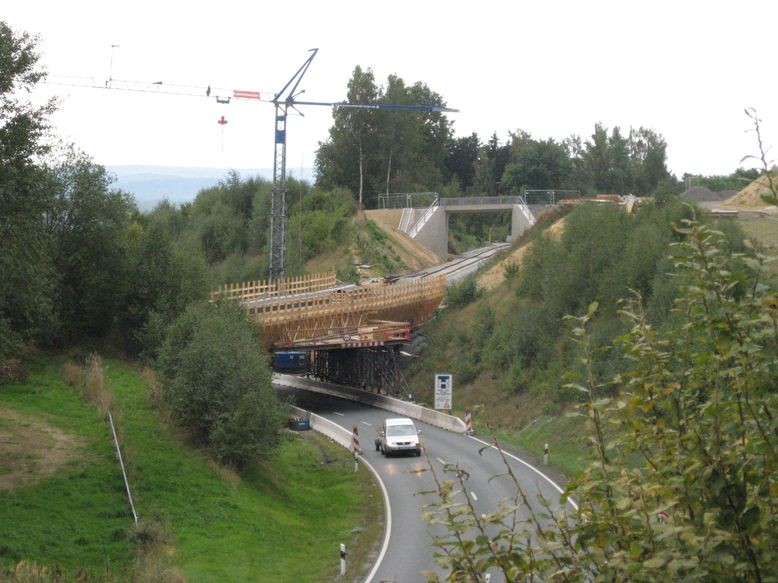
<point>388,530</point>
<point>530,466</point>
<point>341,414</point>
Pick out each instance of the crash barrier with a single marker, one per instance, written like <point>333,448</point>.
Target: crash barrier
<point>412,410</point>
<point>326,427</point>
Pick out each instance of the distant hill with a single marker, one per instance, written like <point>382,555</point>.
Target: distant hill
<point>176,184</point>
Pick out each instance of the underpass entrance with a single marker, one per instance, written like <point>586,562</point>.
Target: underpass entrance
<point>372,369</point>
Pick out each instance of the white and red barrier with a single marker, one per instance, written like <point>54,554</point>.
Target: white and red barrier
<point>468,420</point>
<point>355,441</point>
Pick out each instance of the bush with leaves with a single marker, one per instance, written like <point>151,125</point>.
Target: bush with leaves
<point>685,481</point>
<point>217,383</point>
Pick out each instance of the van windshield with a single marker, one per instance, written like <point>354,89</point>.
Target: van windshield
<point>400,430</point>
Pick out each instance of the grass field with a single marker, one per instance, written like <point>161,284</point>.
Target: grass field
<point>76,518</point>
<point>765,230</point>
<point>281,520</point>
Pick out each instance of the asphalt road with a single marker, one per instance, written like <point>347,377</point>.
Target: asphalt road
<point>410,550</point>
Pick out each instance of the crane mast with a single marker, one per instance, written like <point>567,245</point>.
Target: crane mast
<point>283,100</point>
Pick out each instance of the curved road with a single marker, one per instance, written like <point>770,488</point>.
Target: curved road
<point>410,549</point>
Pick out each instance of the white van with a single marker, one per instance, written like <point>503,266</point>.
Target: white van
<point>398,436</point>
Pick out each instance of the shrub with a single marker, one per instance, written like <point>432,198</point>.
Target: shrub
<point>461,294</point>
<point>217,383</point>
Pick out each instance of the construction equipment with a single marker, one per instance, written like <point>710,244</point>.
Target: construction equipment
<point>284,100</point>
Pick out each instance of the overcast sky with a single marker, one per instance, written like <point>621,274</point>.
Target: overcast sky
<point>683,68</point>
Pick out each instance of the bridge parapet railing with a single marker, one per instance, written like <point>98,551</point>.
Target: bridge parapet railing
<point>258,289</point>
<point>405,220</point>
<point>406,199</point>
<point>481,200</point>
<point>414,230</point>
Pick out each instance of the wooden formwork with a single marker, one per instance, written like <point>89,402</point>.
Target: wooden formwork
<point>290,320</point>
<point>251,290</point>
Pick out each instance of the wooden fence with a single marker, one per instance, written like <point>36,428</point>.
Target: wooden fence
<point>264,288</point>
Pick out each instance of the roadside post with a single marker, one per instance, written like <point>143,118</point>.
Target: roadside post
<point>342,559</point>
<point>355,446</point>
<point>468,420</point>
<point>545,455</point>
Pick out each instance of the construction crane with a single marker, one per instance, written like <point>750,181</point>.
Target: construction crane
<point>284,100</point>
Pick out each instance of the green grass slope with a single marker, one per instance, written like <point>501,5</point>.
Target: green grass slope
<point>282,520</point>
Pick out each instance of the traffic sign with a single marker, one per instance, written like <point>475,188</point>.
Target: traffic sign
<point>444,385</point>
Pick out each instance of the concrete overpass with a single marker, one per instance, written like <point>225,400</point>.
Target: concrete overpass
<point>430,226</point>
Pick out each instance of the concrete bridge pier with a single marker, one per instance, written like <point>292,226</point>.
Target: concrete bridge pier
<point>433,234</point>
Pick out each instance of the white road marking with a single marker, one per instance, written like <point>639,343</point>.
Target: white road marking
<point>441,461</point>
<point>387,505</point>
<point>473,496</point>
<point>366,423</point>
<point>341,414</point>
<point>530,466</point>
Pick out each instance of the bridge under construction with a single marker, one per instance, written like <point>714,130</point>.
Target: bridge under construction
<point>351,334</point>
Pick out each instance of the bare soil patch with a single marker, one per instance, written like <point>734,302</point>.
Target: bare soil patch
<point>31,449</point>
<point>413,254</point>
<point>495,275</point>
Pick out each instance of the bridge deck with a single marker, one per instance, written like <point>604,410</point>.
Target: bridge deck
<point>326,317</point>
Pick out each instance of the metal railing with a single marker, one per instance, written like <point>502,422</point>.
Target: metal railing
<point>481,200</point>
<point>396,200</point>
<point>423,219</point>
<point>405,220</point>
<point>548,197</point>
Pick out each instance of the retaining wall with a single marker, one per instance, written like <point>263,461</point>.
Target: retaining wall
<point>412,410</point>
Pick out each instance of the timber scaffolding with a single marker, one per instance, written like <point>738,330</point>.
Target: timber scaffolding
<point>347,317</point>
<point>251,290</point>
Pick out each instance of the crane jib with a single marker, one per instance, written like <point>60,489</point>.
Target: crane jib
<point>341,104</point>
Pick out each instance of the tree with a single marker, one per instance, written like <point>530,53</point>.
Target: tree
<point>85,223</point>
<point>540,164</point>
<point>380,150</point>
<point>26,283</point>
<point>648,152</point>
<point>218,384</point>
<point>491,164</point>
<point>461,159</point>
<point>345,158</point>
<point>684,483</point>
<point>167,274</point>
<point>352,138</point>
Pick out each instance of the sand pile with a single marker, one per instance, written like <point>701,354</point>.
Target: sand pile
<point>750,197</point>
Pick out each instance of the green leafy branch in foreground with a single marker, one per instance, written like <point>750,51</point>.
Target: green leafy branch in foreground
<point>685,482</point>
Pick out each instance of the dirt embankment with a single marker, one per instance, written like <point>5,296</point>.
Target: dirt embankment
<point>495,275</point>
<point>414,255</point>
